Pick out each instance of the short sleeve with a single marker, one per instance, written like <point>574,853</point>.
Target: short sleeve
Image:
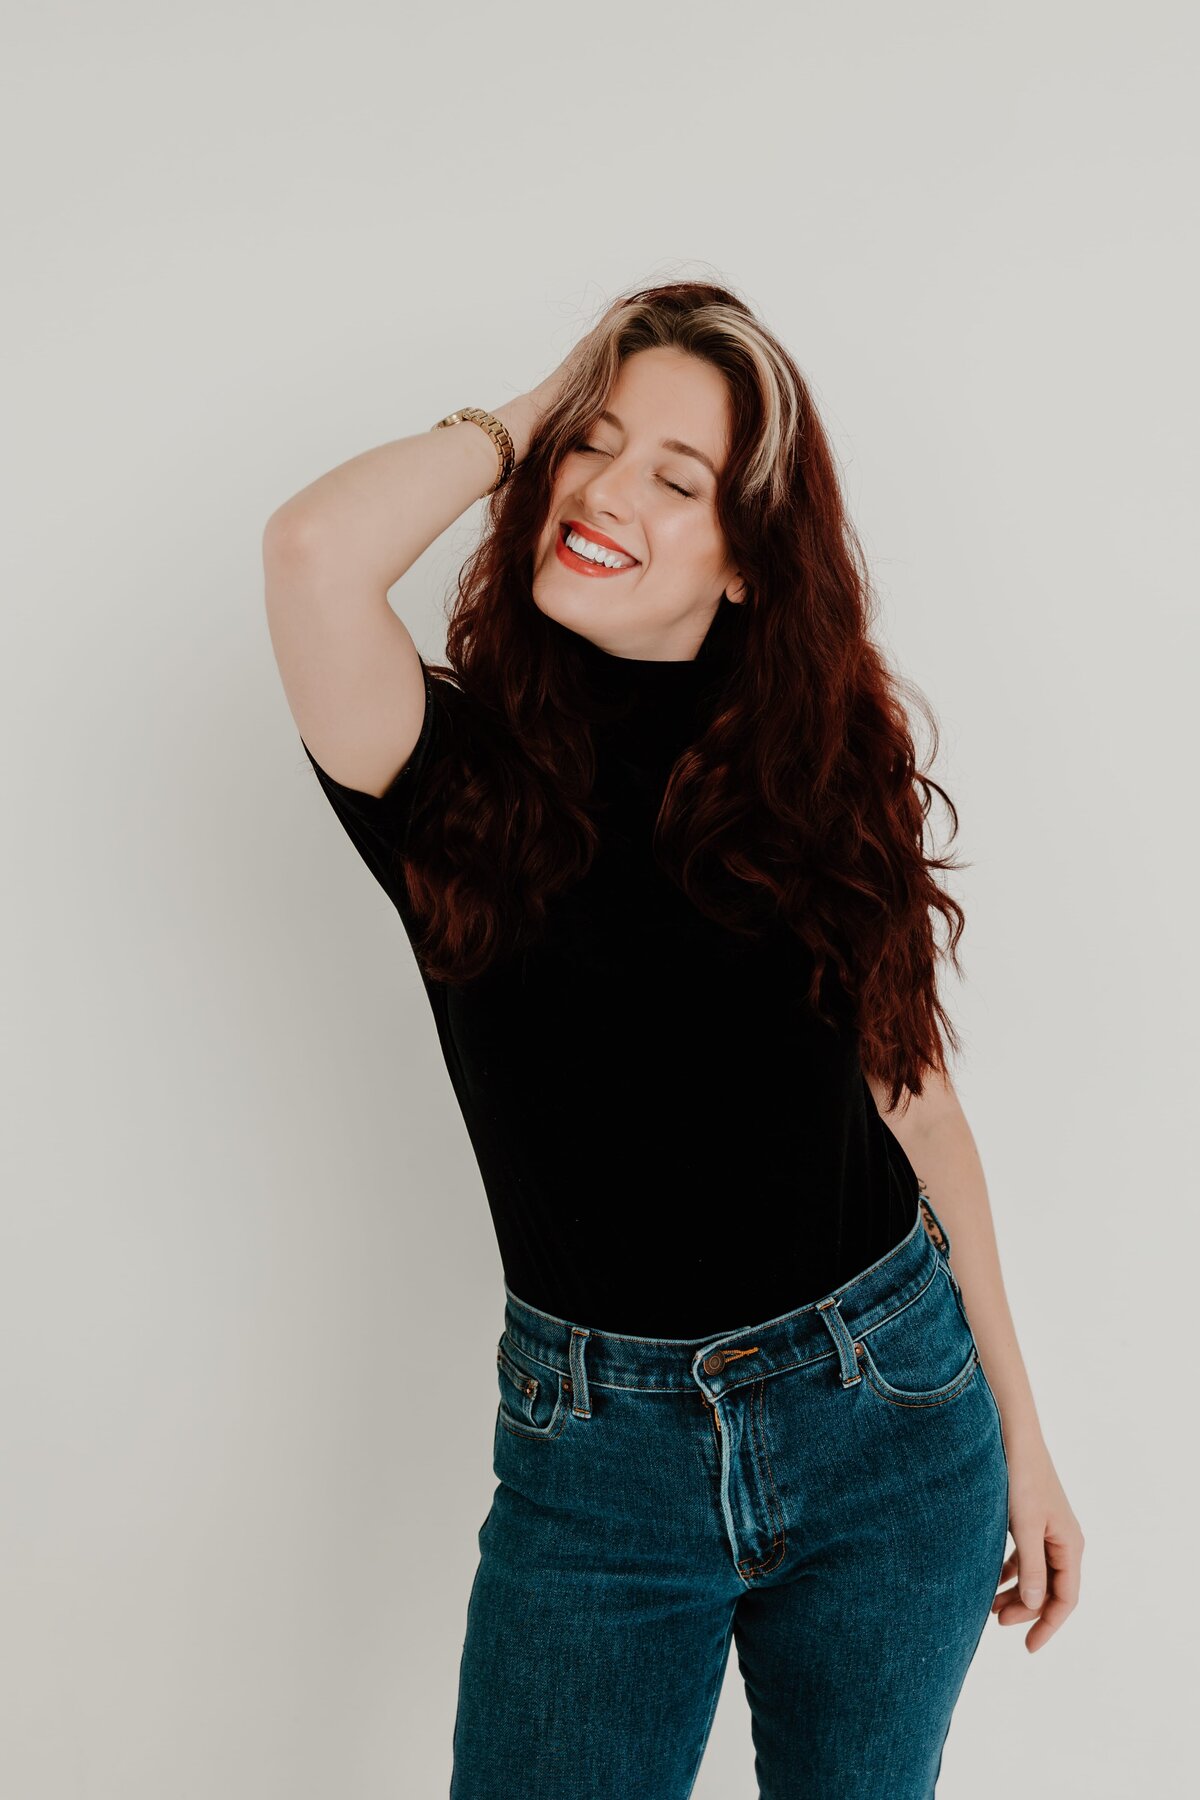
<point>377,824</point>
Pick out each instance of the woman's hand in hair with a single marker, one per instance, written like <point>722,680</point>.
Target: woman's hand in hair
<point>547,393</point>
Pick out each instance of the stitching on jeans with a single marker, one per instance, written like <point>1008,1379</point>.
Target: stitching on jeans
<point>527,1432</point>
<point>581,1336</point>
<point>775,1502</point>
<point>530,1355</point>
<point>770,1559</point>
<point>653,1387</point>
<point>940,1396</point>
<point>518,1429</point>
<point>683,1389</point>
<point>753,1569</point>
<point>518,1376</point>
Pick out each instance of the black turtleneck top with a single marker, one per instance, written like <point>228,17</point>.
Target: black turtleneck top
<point>671,1143</point>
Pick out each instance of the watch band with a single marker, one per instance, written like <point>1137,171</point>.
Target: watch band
<point>495,430</point>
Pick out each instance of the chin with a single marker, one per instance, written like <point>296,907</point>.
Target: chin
<point>562,607</point>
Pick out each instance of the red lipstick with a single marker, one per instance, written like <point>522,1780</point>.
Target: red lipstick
<point>581,565</point>
<point>597,537</point>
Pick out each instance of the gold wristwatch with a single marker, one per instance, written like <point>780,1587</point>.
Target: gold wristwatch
<point>496,431</point>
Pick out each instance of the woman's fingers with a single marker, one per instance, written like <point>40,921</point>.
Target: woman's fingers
<point>1057,1562</point>
<point>1029,1537</point>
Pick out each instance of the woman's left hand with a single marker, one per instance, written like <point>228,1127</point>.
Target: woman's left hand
<point>1048,1546</point>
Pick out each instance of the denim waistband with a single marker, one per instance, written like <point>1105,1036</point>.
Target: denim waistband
<point>715,1365</point>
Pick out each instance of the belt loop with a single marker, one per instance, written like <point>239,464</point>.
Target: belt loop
<point>847,1354</point>
<point>580,1398</point>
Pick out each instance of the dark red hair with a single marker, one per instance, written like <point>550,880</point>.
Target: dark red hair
<point>802,801</point>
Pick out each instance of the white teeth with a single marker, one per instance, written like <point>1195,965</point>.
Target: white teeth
<point>597,553</point>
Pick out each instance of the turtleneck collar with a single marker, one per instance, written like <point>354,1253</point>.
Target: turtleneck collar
<point>650,709</point>
<point>619,677</point>
<point>640,684</point>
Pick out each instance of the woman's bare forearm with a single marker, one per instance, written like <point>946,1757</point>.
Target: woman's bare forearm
<point>376,514</point>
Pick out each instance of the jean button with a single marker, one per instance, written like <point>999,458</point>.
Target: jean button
<point>715,1363</point>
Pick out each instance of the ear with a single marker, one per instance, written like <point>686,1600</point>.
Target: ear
<point>735,591</point>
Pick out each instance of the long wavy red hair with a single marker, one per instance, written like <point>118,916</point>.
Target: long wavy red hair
<point>801,803</point>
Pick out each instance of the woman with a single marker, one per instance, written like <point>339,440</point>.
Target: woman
<point>655,832</point>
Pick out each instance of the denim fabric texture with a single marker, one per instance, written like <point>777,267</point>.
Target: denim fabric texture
<point>827,1490</point>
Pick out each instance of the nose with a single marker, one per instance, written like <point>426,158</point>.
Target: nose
<point>608,492</point>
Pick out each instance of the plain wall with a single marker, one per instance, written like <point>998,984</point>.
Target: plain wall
<point>250,1293</point>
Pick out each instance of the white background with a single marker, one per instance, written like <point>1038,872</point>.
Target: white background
<point>250,1292</point>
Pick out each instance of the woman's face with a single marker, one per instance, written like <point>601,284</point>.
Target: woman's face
<point>623,485</point>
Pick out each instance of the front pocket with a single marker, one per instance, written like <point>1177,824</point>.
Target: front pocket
<point>532,1400</point>
<point>923,1355</point>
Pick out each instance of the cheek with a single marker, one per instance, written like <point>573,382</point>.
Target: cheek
<point>688,548</point>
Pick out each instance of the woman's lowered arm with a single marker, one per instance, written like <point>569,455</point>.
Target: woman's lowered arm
<point>935,1136</point>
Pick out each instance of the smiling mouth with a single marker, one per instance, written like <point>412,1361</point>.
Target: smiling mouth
<point>583,565</point>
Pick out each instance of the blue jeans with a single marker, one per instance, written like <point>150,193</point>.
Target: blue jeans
<point>828,1489</point>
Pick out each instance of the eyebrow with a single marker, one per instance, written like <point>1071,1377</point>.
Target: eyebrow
<point>667,443</point>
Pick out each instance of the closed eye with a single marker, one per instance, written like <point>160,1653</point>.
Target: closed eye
<point>594,450</point>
